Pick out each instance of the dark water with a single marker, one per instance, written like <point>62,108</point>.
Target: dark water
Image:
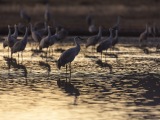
<point>125,86</point>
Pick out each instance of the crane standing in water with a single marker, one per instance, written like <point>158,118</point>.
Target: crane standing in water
<point>15,34</point>
<point>104,45</point>
<point>69,55</point>
<point>20,45</point>
<point>10,40</point>
<point>92,41</point>
<point>143,36</point>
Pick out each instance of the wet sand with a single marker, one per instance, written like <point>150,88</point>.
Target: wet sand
<point>125,86</point>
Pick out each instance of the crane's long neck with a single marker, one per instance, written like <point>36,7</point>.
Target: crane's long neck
<point>146,30</point>
<point>77,47</point>
<point>116,35</point>
<point>25,38</point>
<point>15,30</point>
<point>31,28</point>
<point>45,26</point>
<point>118,20</point>
<point>56,31</point>
<point>111,36</point>
<point>9,31</point>
<point>49,32</point>
<point>100,33</point>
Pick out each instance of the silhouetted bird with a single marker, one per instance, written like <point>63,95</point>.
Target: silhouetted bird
<point>105,44</point>
<point>20,45</point>
<point>91,25</point>
<point>36,36</point>
<point>44,43</point>
<point>47,14</point>
<point>116,26</point>
<point>15,34</point>
<point>143,36</point>
<point>92,41</point>
<point>9,41</point>
<point>24,16</point>
<point>69,55</point>
<point>115,39</point>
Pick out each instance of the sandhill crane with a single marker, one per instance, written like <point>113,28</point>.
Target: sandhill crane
<point>115,39</point>
<point>61,34</point>
<point>52,40</point>
<point>9,41</point>
<point>92,41</point>
<point>47,14</point>
<point>116,26</point>
<point>105,44</point>
<point>91,25</point>
<point>24,16</point>
<point>143,36</point>
<point>36,36</point>
<point>21,27</point>
<point>153,30</point>
<point>45,42</point>
<point>15,34</point>
<point>69,55</point>
<point>20,45</point>
<point>43,30</point>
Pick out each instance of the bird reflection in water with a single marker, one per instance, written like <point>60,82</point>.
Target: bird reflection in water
<point>69,88</point>
<point>101,64</point>
<point>46,66</point>
<point>12,62</point>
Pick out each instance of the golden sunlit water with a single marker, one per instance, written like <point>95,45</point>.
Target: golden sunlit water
<point>124,87</point>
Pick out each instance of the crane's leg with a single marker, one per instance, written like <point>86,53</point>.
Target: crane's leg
<point>49,51</point>
<point>46,54</point>
<point>3,52</point>
<point>70,71</point>
<point>8,51</point>
<point>52,50</point>
<point>92,49</point>
<point>22,56</point>
<point>101,56</point>
<point>11,55</point>
<point>66,69</point>
<point>18,58</point>
<point>105,55</point>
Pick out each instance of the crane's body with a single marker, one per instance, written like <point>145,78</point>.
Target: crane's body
<point>92,41</point>
<point>69,55</point>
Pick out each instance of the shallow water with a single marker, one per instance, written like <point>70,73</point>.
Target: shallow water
<point>120,88</point>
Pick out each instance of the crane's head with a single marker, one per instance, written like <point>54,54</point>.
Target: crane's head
<point>9,26</point>
<point>15,26</point>
<point>111,29</point>
<point>77,38</point>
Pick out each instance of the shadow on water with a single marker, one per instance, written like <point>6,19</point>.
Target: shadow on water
<point>69,88</point>
<point>11,62</point>
<point>59,50</point>
<point>149,83</point>
<point>45,66</point>
<point>102,64</point>
<point>36,52</point>
<point>88,56</point>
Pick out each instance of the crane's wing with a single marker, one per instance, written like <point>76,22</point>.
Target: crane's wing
<point>67,56</point>
<point>16,47</point>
